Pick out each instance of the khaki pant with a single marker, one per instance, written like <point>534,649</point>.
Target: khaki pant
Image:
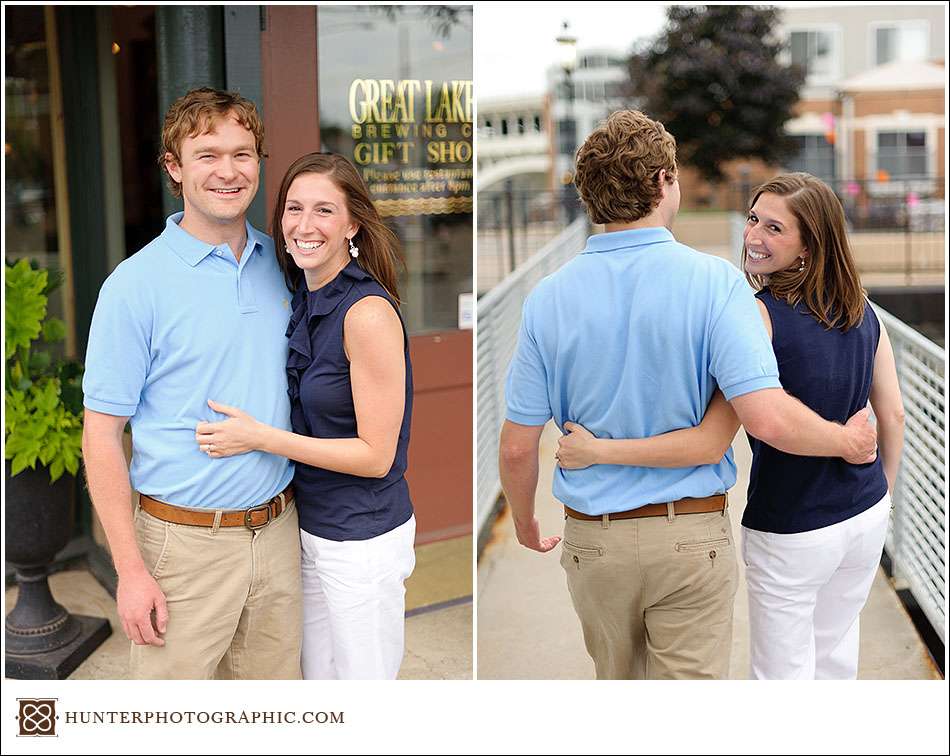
<point>654,596</point>
<point>234,600</point>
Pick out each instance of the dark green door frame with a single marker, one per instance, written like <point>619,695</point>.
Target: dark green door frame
<point>210,47</point>
<point>79,70</point>
<point>79,64</point>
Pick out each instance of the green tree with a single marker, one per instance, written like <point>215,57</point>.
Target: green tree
<point>713,78</point>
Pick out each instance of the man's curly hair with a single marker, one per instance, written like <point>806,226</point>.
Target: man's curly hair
<point>618,166</point>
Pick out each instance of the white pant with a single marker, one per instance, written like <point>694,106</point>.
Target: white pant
<point>806,591</point>
<point>354,604</point>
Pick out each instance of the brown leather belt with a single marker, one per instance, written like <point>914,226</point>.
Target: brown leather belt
<point>717,503</point>
<point>253,518</point>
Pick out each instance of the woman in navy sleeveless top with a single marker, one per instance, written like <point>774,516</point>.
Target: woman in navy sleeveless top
<point>813,527</point>
<point>350,385</point>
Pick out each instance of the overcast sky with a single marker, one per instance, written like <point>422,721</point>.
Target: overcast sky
<point>514,42</point>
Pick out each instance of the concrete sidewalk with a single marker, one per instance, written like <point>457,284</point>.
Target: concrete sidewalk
<point>438,616</point>
<point>527,628</point>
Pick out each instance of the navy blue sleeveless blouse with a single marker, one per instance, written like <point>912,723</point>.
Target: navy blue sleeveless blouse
<point>334,505</point>
<point>830,372</point>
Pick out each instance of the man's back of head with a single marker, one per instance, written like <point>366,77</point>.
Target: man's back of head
<point>618,171</point>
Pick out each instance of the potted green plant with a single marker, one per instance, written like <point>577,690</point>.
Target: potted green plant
<point>43,435</point>
<point>43,396</point>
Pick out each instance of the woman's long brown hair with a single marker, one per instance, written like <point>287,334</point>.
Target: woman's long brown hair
<point>829,286</point>
<point>380,253</point>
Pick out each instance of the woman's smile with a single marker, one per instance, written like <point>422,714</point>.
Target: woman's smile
<point>306,247</point>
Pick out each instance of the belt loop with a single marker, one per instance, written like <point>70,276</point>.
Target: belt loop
<point>605,521</point>
<point>217,521</point>
<point>670,511</point>
<point>725,502</point>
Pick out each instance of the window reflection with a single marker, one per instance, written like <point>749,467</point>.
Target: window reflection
<point>31,229</point>
<point>30,201</point>
<point>396,98</point>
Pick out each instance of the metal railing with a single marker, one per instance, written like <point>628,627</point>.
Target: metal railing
<point>916,540</point>
<point>514,224</point>
<point>499,317</point>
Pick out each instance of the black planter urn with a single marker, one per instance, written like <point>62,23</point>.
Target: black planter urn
<point>43,640</point>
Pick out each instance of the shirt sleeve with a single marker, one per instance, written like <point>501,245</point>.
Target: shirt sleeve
<point>118,351</point>
<point>526,388</point>
<point>740,356</point>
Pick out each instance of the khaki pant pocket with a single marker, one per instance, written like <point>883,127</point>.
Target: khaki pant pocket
<point>152,537</point>
<point>574,555</point>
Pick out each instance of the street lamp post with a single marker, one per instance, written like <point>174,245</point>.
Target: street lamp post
<point>567,128</point>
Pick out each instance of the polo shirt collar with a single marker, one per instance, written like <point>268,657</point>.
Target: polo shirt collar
<point>634,237</point>
<point>257,239</point>
<point>193,250</point>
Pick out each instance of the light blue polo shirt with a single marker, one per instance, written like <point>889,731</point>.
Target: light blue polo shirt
<point>176,324</point>
<point>630,339</point>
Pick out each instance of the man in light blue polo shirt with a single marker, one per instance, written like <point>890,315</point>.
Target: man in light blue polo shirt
<point>630,339</point>
<point>208,568</point>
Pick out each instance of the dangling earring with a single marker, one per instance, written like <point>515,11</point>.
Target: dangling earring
<point>354,250</point>
<point>286,248</point>
<point>801,264</point>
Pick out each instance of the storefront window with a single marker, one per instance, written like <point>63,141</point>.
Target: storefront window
<point>395,88</point>
<point>30,226</point>
<point>30,198</point>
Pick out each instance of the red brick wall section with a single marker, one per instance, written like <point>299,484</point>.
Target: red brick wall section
<point>697,193</point>
<point>882,103</point>
<point>817,106</point>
